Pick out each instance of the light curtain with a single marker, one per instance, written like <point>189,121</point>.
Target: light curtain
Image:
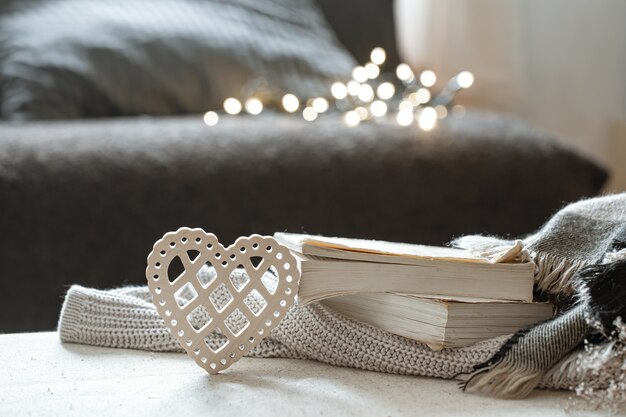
<point>560,64</point>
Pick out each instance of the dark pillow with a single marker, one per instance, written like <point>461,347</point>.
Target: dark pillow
<point>74,58</point>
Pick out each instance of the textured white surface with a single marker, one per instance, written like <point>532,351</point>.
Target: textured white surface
<point>41,377</point>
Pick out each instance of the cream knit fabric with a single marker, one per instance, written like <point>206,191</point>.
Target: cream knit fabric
<point>549,354</point>
<point>126,318</point>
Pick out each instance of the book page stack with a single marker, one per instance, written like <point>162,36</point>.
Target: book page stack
<point>439,296</point>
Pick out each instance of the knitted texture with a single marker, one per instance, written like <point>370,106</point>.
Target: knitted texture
<point>546,355</point>
<point>126,318</point>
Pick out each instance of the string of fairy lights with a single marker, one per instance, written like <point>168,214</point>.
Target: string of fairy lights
<point>369,95</point>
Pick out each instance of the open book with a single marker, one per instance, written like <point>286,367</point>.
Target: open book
<point>338,266</point>
<point>440,323</point>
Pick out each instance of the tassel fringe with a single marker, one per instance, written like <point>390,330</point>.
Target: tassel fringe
<point>601,287</point>
<point>510,381</point>
<point>563,374</point>
<point>553,274</point>
<point>503,380</point>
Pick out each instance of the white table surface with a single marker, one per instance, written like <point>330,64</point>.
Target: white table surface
<point>39,376</point>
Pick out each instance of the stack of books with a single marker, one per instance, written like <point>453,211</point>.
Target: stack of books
<point>440,296</point>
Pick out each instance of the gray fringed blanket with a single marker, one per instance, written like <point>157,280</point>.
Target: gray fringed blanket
<point>579,256</point>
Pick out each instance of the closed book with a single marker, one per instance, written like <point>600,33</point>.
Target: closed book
<point>339,266</point>
<point>440,323</point>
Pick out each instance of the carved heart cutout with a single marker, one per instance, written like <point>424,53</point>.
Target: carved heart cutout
<point>220,302</point>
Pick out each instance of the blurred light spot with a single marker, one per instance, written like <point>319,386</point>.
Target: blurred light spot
<point>232,106</point>
<point>309,114</point>
<point>362,112</point>
<point>427,119</point>
<point>428,78</point>
<point>378,56</point>
<point>404,72</point>
<point>290,103</point>
<point>385,91</point>
<point>211,118</point>
<point>253,105</point>
<point>351,118</point>
<point>404,118</point>
<point>378,108</point>
<point>320,105</point>
<point>405,106</point>
<point>423,95</point>
<point>359,74</point>
<point>366,93</point>
<point>372,70</point>
<point>465,79</point>
<point>353,87</point>
<point>339,90</point>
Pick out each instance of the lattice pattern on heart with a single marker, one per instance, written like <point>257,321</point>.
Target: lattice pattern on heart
<point>220,302</point>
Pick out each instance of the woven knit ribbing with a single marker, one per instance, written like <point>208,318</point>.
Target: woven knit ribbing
<point>123,318</point>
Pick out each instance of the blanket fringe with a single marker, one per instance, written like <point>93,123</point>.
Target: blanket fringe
<point>563,374</point>
<point>499,377</point>
<point>595,374</point>
<point>579,370</point>
<point>553,274</point>
<point>583,366</point>
<point>503,380</point>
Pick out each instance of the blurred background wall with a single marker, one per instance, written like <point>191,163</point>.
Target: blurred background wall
<point>560,64</point>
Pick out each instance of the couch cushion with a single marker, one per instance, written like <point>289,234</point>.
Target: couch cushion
<point>74,58</point>
<point>83,202</point>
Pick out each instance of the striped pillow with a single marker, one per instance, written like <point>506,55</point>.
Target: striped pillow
<point>100,58</point>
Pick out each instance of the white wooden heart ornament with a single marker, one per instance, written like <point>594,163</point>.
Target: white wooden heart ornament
<point>221,302</point>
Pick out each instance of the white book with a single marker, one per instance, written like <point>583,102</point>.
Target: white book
<point>440,323</point>
<point>339,266</point>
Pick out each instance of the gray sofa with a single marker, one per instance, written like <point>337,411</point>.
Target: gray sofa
<point>82,201</point>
